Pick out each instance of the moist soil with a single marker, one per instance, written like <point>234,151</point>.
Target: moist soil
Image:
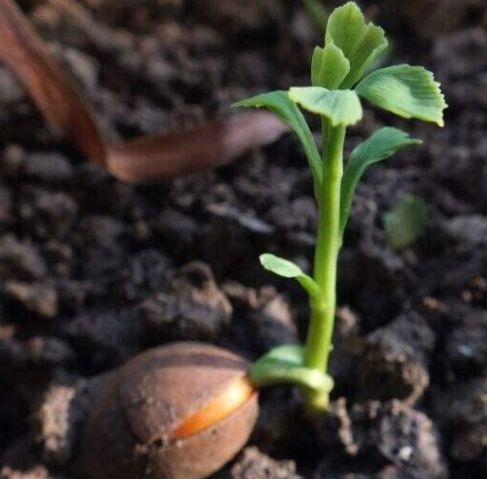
<point>94,271</point>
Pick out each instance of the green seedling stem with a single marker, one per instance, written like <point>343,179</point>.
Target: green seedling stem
<point>328,243</point>
<point>340,80</point>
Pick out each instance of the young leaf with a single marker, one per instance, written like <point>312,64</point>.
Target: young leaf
<point>287,269</point>
<point>361,42</point>
<point>342,107</point>
<point>405,222</point>
<point>271,373</point>
<point>291,354</point>
<point>380,146</point>
<point>408,91</point>
<point>282,106</point>
<point>329,67</point>
<point>285,364</point>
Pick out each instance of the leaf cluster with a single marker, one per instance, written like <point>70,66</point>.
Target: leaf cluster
<point>341,78</point>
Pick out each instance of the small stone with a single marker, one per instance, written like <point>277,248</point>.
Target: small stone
<point>253,464</point>
<point>38,298</point>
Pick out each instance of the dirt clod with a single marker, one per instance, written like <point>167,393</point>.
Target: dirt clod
<point>193,308</point>
<point>253,464</point>
<point>395,359</point>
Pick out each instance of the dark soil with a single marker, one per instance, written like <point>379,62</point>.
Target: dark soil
<point>94,271</point>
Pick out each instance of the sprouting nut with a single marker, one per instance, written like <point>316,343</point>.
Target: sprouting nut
<point>175,412</point>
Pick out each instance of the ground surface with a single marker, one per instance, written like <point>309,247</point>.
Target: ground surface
<point>93,271</point>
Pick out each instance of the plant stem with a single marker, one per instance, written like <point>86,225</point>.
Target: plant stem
<point>318,344</point>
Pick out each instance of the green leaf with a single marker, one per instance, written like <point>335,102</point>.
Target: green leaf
<point>408,91</point>
<point>406,222</point>
<point>361,42</point>
<point>329,67</point>
<point>287,269</point>
<point>281,105</point>
<point>291,354</point>
<point>285,365</point>
<point>342,107</point>
<point>378,147</point>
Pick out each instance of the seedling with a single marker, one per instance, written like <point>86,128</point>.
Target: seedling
<point>181,411</point>
<point>340,79</point>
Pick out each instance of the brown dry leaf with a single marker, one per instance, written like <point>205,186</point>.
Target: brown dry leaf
<point>216,143</point>
<point>54,94</point>
<point>142,159</point>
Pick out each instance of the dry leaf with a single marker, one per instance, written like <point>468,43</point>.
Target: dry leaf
<point>142,159</point>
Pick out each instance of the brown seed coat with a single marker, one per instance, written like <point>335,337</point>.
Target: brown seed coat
<point>138,407</point>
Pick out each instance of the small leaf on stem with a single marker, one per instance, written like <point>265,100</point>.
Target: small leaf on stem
<point>329,67</point>
<point>408,91</point>
<point>281,105</point>
<point>287,269</point>
<point>292,354</point>
<point>285,364</point>
<point>378,147</point>
<point>406,222</point>
<point>341,107</point>
<point>361,42</point>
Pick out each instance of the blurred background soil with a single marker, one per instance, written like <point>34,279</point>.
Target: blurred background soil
<point>92,271</point>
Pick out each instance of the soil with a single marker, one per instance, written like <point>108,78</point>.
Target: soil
<point>94,271</point>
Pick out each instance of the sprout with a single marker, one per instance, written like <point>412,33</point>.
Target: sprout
<point>340,80</point>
